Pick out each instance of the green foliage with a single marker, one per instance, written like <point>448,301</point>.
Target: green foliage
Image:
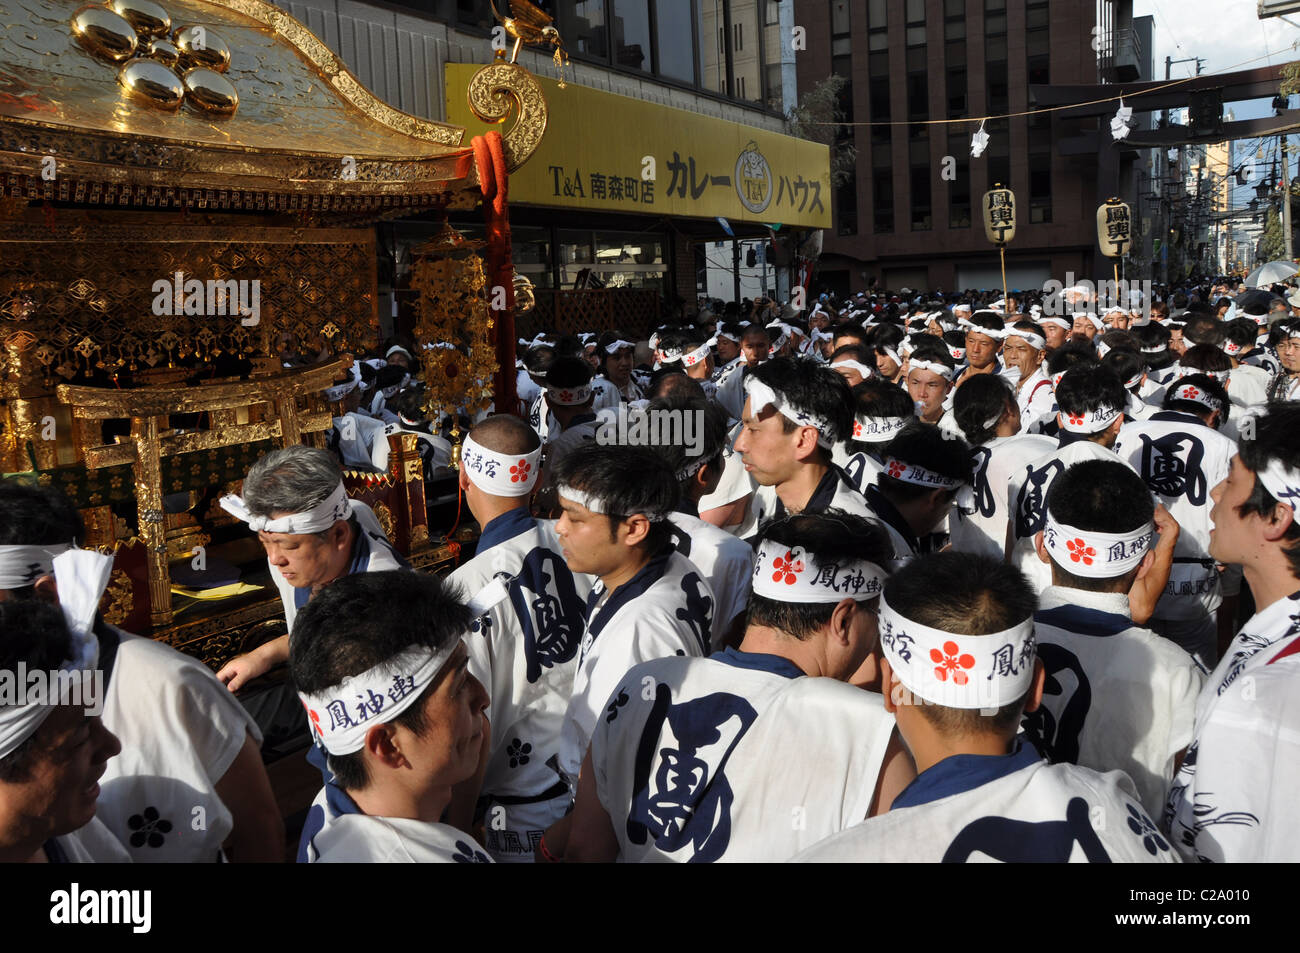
<point>1272,245</point>
<point>814,118</point>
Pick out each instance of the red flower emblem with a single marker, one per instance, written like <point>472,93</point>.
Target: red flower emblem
<point>1080,551</point>
<point>566,396</point>
<point>519,472</point>
<point>857,429</point>
<point>897,468</point>
<point>1189,393</point>
<point>1076,420</point>
<point>948,661</point>
<point>787,569</point>
<point>315,721</point>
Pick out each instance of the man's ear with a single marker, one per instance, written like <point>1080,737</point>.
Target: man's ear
<point>1145,566</point>
<point>638,528</point>
<point>805,443</point>
<point>1115,426</point>
<point>1035,696</point>
<point>1041,549</point>
<point>1277,525</point>
<point>463,479</point>
<point>887,683</point>
<point>380,744</point>
<point>339,534</point>
<point>46,589</point>
<point>842,620</point>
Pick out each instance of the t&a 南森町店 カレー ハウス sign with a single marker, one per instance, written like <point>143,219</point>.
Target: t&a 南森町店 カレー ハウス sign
<point>605,152</point>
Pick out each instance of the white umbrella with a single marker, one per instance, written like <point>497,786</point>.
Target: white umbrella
<point>1271,274</point>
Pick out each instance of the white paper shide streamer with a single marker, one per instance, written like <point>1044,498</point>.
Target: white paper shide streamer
<point>498,473</point>
<point>958,671</point>
<point>341,716</point>
<point>790,574</point>
<point>1095,555</point>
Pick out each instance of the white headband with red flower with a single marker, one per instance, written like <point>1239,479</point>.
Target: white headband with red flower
<point>918,476</point>
<point>568,396</point>
<point>878,429</point>
<point>790,574</point>
<point>1093,554</point>
<point>1091,421</point>
<point>1196,395</point>
<point>958,671</point>
<point>500,474</point>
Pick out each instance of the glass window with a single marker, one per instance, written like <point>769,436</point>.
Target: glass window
<point>675,49</point>
<point>1040,188</point>
<point>474,13</point>
<point>918,147</point>
<point>846,208</point>
<point>955,53</point>
<point>839,17</point>
<point>713,60</point>
<point>582,24</point>
<point>915,59</point>
<point>959,203</point>
<point>882,190</point>
<point>956,92</point>
<point>841,45</point>
<point>991,6</point>
<point>922,219</point>
<point>772,13</point>
<point>954,30</point>
<point>747,67</point>
<point>915,11</point>
<point>918,93</point>
<point>631,23</point>
<point>995,24</point>
<point>954,8</point>
<point>876,14</point>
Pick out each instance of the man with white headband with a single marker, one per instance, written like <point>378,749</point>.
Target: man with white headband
<point>523,645</point>
<point>957,634</point>
<point>649,601</point>
<point>1181,456</point>
<point>795,411</point>
<point>53,748</point>
<point>1234,797</point>
<point>617,355</point>
<point>294,499</point>
<point>885,341</point>
<point>759,751</point>
<point>727,345</point>
<point>930,370</point>
<point>755,348</point>
<point>1285,384</point>
<point>1025,348</point>
<point>923,471</point>
<point>1091,401</point>
<point>1247,383</point>
<point>989,416</point>
<point>985,331</point>
<point>1121,697</point>
<point>1056,330</point>
<point>854,363</point>
<point>725,560</point>
<point>531,381</point>
<point>390,698</point>
<point>186,743</point>
<point>569,399</point>
<point>880,412</point>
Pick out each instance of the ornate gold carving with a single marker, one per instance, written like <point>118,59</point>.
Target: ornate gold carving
<point>385,517</point>
<point>117,601</point>
<point>498,88</point>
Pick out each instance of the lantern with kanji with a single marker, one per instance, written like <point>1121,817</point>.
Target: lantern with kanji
<point>1000,215</point>
<point>1114,228</point>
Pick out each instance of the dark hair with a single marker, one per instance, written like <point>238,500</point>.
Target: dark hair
<point>569,372</point>
<point>954,339</point>
<point>964,594</point>
<point>1274,439</point>
<point>986,319</point>
<point>539,359</point>
<point>1068,355</point>
<point>878,398</point>
<point>1103,496</point>
<point>1125,363</point>
<point>753,330</point>
<point>925,445</point>
<point>1212,388</point>
<point>350,627</point>
<point>854,331</point>
<point>856,352</point>
<point>713,441</point>
<point>932,349</point>
<point>1120,339</point>
<point>1203,329</point>
<point>606,339</point>
<point>36,516</point>
<point>978,400</point>
<point>1033,327</point>
<point>408,403</point>
<point>671,381</point>
<point>886,335</point>
<point>1206,357</point>
<point>1242,332</point>
<point>627,481</point>
<point>34,634</point>
<point>1089,387</point>
<point>812,388</point>
<point>833,536</point>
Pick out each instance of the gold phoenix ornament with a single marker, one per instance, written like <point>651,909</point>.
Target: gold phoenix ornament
<point>528,24</point>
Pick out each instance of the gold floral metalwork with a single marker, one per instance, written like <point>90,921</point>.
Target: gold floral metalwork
<point>385,517</point>
<point>118,599</point>
<point>501,88</point>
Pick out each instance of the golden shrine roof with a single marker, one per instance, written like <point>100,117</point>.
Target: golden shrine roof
<point>220,104</point>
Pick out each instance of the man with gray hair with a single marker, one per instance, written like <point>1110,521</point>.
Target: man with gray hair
<point>294,499</point>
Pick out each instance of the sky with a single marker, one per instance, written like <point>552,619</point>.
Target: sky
<point>1226,34</point>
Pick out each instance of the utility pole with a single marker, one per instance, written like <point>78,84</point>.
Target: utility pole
<point>735,270</point>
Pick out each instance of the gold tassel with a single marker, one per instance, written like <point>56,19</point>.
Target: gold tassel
<point>561,60</point>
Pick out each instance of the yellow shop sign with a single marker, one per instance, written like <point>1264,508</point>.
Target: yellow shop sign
<point>607,152</point>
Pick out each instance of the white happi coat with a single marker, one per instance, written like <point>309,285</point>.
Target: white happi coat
<point>1117,696</point>
<point>180,730</point>
<point>353,438</point>
<point>726,562</point>
<point>1013,808</point>
<point>523,646</point>
<point>1182,461</point>
<point>978,523</point>
<point>1027,501</point>
<point>834,491</point>
<point>731,388</point>
<point>371,552</point>
<point>91,843</point>
<point>736,484</point>
<point>1247,386</point>
<point>666,609</point>
<point>738,757</point>
<point>337,832</point>
<point>1234,798</point>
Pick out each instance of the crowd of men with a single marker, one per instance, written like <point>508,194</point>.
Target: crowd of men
<point>915,578</point>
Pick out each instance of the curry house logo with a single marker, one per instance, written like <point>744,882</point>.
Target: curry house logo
<point>753,179</point>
